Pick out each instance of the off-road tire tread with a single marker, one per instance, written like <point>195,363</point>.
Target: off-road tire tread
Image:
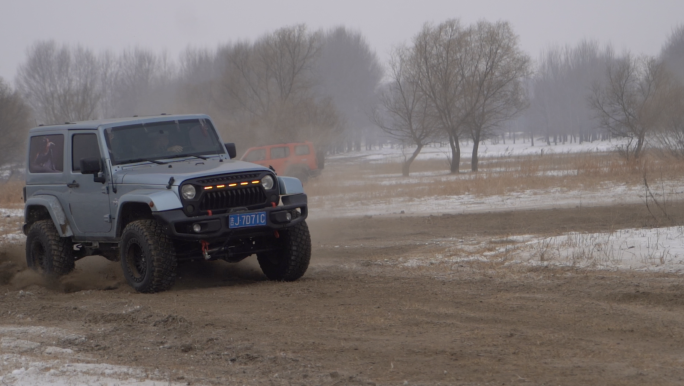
<point>162,253</point>
<point>294,252</point>
<point>60,249</point>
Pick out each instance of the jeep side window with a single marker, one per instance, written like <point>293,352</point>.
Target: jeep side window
<point>302,149</point>
<point>46,154</point>
<point>280,152</point>
<point>83,146</point>
<point>256,155</point>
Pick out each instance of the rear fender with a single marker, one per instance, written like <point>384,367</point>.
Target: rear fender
<point>53,207</point>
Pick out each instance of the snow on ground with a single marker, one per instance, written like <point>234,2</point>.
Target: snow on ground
<point>658,249</point>
<point>487,149</point>
<point>4,212</point>
<point>654,250</point>
<point>14,237</point>
<point>30,356</point>
<point>605,194</point>
<point>608,194</point>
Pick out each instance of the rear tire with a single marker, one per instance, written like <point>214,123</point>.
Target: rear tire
<point>291,259</point>
<point>148,257</point>
<point>47,252</point>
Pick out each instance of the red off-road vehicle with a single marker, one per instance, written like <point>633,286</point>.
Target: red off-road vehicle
<point>288,159</point>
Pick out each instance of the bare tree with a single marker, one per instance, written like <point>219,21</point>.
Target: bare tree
<point>630,103</point>
<point>438,55</point>
<point>61,84</point>
<point>670,136</point>
<point>405,113</point>
<point>199,70</point>
<point>15,117</point>
<point>672,53</point>
<point>142,83</point>
<point>347,70</point>
<point>494,70</point>
<point>269,85</point>
<point>559,90</point>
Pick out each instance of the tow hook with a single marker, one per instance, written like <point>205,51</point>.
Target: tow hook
<point>205,250</point>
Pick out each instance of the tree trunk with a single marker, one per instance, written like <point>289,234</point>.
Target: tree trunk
<point>476,146</point>
<point>531,139</point>
<point>407,164</point>
<point>455,154</point>
<point>639,145</point>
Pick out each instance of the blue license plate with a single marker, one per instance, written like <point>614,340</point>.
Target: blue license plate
<point>244,220</point>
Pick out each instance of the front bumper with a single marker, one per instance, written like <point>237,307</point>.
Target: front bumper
<point>216,226</point>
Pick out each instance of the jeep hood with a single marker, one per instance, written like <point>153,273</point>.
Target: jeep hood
<point>154,174</point>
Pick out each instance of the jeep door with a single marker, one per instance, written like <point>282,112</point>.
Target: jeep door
<point>88,201</point>
<point>304,156</point>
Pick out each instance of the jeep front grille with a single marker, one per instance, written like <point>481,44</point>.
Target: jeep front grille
<point>231,198</point>
<point>227,178</point>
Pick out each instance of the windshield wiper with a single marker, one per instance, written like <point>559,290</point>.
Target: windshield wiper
<point>130,161</point>
<point>189,155</point>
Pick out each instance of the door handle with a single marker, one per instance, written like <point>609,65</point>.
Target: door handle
<point>73,184</point>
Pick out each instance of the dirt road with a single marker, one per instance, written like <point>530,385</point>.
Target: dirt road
<point>359,317</point>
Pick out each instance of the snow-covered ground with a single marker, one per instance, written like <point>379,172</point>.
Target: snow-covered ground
<point>487,149</point>
<point>29,358</point>
<point>607,193</point>
<point>655,250</point>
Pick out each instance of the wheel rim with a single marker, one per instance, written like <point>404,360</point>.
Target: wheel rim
<point>136,262</point>
<point>38,255</point>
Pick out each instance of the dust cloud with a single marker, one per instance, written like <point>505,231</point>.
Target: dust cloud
<point>91,273</point>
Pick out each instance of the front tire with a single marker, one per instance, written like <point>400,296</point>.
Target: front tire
<point>291,259</point>
<point>47,252</point>
<point>148,257</point>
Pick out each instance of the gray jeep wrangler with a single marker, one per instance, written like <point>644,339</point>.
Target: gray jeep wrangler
<point>152,192</point>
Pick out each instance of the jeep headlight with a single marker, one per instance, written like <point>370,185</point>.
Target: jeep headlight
<point>267,182</point>
<point>188,192</point>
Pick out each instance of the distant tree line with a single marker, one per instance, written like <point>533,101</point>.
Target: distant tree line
<point>451,84</point>
<point>289,85</point>
<point>15,119</point>
<point>456,84</point>
<point>585,92</point>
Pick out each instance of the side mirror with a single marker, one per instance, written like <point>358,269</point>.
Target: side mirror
<point>232,151</point>
<point>92,166</point>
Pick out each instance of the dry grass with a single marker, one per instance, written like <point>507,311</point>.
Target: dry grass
<point>11,194</point>
<point>497,176</point>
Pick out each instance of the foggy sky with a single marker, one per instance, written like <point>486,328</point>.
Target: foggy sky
<point>173,25</point>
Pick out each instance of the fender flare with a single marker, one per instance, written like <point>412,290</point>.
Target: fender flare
<point>158,200</point>
<point>290,185</point>
<point>54,208</point>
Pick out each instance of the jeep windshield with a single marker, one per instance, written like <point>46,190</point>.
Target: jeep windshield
<point>162,140</point>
